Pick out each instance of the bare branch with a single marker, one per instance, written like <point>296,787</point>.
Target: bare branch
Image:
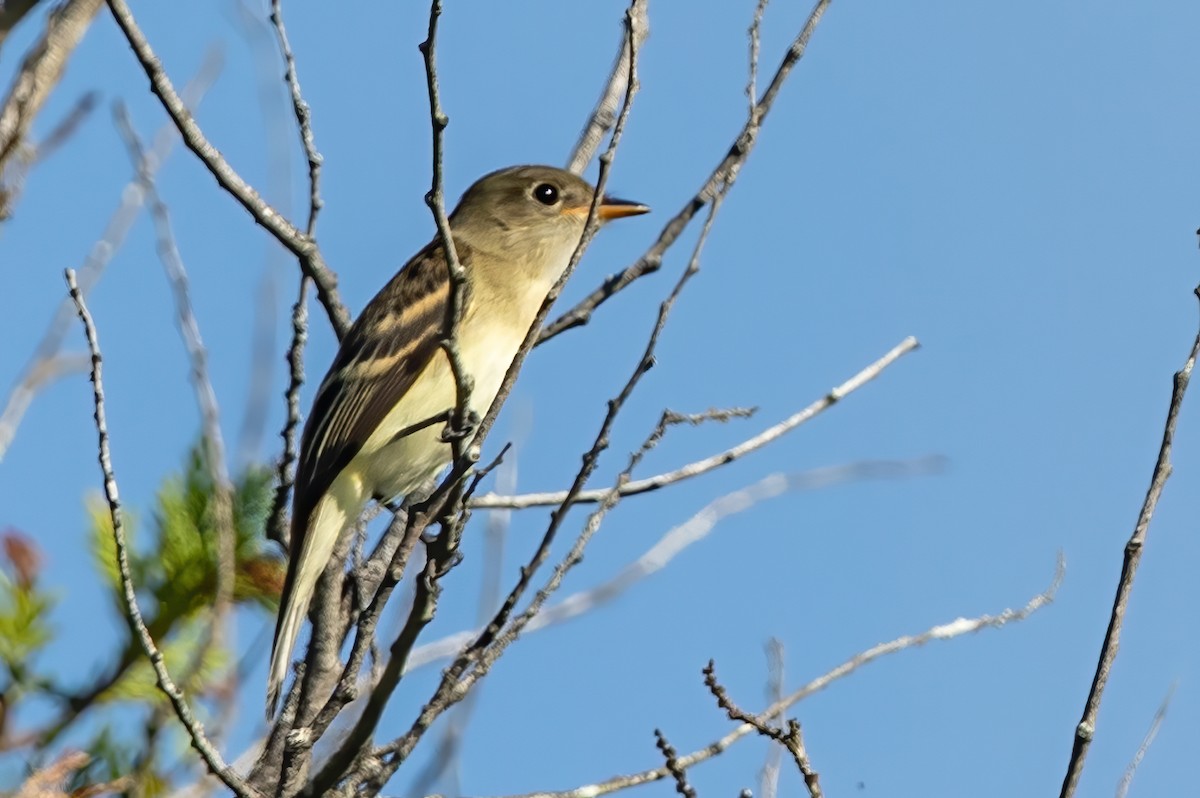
<point>212,758</point>
<point>948,631</point>
<point>719,181</point>
<point>304,247</point>
<point>1086,729</point>
<point>461,422</point>
<point>303,119</point>
<point>760,9</point>
<point>277,523</point>
<point>699,467</point>
<point>792,739</point>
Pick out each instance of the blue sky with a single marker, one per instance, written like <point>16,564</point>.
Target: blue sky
<point>1013,184</point>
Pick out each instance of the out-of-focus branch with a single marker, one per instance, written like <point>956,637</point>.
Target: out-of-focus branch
<point>34,378</point>
<point>720,180</point>
<point>304,247</point>
<point>213,444</point>
<point>40,72</point>
<point>604,115</point>
<point>1086,729</point>
<point>52,781</point>
<point>210,755</point>
<point>1131,769</point>
<point>16,170</point>
<point>956,628</point>
<point>769,775</point>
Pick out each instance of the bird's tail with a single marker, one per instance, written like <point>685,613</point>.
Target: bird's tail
<point>304,568</point>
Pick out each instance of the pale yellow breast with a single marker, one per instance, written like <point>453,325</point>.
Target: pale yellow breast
<point>488,341</point>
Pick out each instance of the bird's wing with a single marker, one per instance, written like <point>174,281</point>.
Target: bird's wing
<point>379,359</point>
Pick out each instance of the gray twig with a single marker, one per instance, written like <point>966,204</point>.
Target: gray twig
<point>285,472</point>
<point>792,739</point>
<point>212,758</point>
<point>303,119</point>
<point>760,9</point>
<point>677,771</point>
<point>1086,728</point>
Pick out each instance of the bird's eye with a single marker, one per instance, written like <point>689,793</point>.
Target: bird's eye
<point>545,193</point>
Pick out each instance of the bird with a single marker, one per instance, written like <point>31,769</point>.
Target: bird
<point>376,426</point>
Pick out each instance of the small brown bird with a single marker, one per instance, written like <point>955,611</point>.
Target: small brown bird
<point>514,232</point>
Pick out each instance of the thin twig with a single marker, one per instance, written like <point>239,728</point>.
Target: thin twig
<point>754,33</point>
<point>457,297</point>
<point>284,470</point>
<point>792,739</point>
<point>956,628</point>
<point>303,119</point>
<point>304,247</point>
<point>677,771</point>
<point>724,175</point>
<point>1086,729</point>
<point>211,757</point>
<point>707,464</point>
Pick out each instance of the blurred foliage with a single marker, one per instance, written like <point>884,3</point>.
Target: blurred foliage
<point>121,714</point>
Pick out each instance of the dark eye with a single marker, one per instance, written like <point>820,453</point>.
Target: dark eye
<point>545,193</point>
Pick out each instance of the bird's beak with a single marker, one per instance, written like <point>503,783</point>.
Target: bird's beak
<point>613,208</point>
<point>609,208</point>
